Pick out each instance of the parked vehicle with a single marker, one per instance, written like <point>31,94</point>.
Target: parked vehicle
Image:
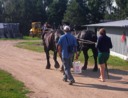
<point>36,30</point>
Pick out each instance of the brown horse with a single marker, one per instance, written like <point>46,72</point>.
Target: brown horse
<point>50,38</point>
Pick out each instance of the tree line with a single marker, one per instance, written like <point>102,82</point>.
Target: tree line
<point>76,12</point>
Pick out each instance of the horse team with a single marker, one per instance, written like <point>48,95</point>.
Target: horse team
<point>86,40</point>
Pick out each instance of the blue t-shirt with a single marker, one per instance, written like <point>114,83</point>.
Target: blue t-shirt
<point>64,44</point>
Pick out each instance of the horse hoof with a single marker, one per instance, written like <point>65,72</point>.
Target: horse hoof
<point>84,68</point>
<point>62,69</point>
<point>47,67</point>
<point>57,65</point>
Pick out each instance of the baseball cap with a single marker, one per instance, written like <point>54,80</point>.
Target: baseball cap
<point>66,28</point>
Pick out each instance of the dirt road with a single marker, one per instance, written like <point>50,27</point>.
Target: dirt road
<point>29,67</point>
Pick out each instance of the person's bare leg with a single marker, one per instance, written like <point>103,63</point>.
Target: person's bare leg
<point>100,72</point>
<point>102,69</point>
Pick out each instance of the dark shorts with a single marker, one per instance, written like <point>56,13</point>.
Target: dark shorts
<point>103,57</point>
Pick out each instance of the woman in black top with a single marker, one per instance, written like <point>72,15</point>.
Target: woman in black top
<point>104,44</point>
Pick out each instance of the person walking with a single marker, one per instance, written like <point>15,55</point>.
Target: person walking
<point>67,46</point>
<point>103,45</point>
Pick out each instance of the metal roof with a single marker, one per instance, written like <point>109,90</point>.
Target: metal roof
<point>120,23</point>
<point>1,26</point>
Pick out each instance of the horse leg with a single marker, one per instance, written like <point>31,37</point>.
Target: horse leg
<point>95,54</point>
<point>57,65</point>
<point>47,57</point>
<point>85,52</point>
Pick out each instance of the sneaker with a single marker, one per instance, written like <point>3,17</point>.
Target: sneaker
<point>64,79</point>
<point>71,82</point>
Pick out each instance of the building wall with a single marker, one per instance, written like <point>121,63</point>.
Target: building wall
<point>10,30</point>
<point>120,48</point>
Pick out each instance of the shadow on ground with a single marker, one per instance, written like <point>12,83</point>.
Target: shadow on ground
<point>112,73</point>
<point>100,86</point>
<point>115,76</point>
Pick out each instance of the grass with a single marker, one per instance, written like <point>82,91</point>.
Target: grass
<point>24,38</point>
<point>9,38</point>
<point>34,46</point>
<point>114,62</point>
<point>11,88</point>
<point>30,38</point>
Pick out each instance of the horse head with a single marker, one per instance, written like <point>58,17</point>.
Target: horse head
<point>57,35</point>
<point>50,38</point>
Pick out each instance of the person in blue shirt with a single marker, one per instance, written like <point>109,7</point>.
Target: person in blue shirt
<point>103,45</point>
<point>64,42</point>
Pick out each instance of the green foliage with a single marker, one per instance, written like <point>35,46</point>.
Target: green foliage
<point>12,10</point>
<point>119,12</point>
<point>97,10</point>
<point>122,8</point>
<point>74,14</point>
<point>56,11</point>
<point>114,62</point>
<point>118,63</point>
<point>23,12</point>
<point>1,11</point>
<point>81,12</point>
<point>122,4</point>
<point>11,88</point>
<point>47,2</point>
<point>33,11</point>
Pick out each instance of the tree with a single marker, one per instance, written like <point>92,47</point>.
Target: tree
<point>122,8</point>
<point>39,14</point>
<point>56,11</point>
<point>34,11</point>
<point>1,11</point>
<point>74,14</point>
<point>11,10</point>
<point>109,5</point>
<point>97,10</point>
<point>118,12</point>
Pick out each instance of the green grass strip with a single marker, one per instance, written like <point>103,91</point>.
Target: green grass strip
<point>11,88</point>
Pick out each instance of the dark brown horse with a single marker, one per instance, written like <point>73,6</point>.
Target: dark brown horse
<point>50,38</point>
<point>86,40</point>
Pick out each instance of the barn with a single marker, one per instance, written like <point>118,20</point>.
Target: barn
<point>10,30</point>
<point>118,31</point>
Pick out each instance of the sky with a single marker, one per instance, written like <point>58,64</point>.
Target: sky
<point>114,4</point>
